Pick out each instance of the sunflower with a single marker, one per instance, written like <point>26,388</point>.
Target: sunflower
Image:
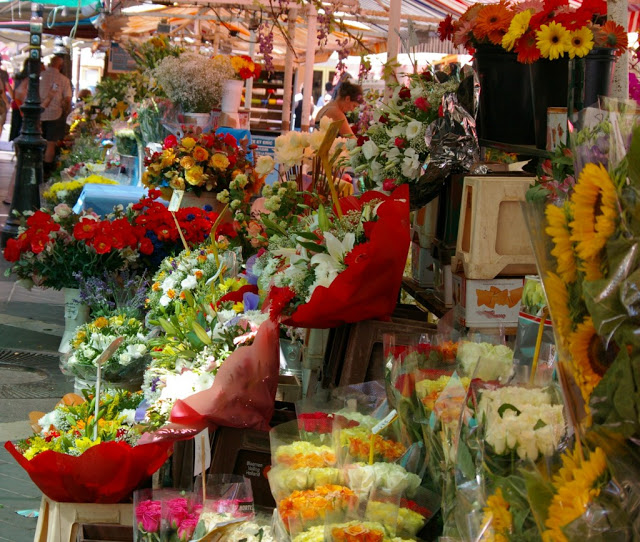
<point>558,298</point>
<point>574,492</point>
<point>526,48</point>
<point>553,40</point>
<point>558,229</point>
<point>581,42</point>
<point>588,357</point>
<point>519,25</point>
<point>592,268</point>
<point>595,211</point>
<point>614,36</point>
<point>492,23</point>
<point>497,521</point>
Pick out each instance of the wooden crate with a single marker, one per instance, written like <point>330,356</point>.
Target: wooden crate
<point>493,238</point>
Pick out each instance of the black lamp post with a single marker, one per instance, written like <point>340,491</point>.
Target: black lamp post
<point>30,144</point>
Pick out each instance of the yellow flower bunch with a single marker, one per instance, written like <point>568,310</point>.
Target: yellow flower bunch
<point>497,521</point>
<point>244,67</point>
<point>68,191</point>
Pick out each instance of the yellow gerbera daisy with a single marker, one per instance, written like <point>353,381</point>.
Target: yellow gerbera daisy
<point>595,211</point>
<point>581,42</point>
<point>517,28</point>
<point>558,229</point>
<point>587,355</point>
<point>558,298</point>
<point>574,494</point>
<point>497,521</point>
<point>553,40</point>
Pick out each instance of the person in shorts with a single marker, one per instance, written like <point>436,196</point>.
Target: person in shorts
<point>55,97</point>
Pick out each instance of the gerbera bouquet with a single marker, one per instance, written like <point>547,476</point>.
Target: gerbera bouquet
<point>54,245</point>
<point>200,163</point>
<point>538,29</point>
<point>69,464</point>
<point>245,68</point>
<point>193,81</point>
<point>125,365</point>
<point>314,272</point>
<point>392,150</point>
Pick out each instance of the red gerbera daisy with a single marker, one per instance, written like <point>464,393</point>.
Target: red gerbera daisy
<point>612,35</point>
<point>445,28</point>
<point>526,48</point>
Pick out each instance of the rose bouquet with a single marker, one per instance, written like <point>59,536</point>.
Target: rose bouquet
<point>193,81</point>
<point>314,273</point>
<point>392,150</point>
<point>61,458</point>
<point>52,246</point>
<point>200,163</point>
<point>125,365</point>
<point>536,30</point>
<point>165,514</point>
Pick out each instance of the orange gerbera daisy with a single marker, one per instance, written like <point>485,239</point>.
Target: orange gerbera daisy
<point>527,49</point>
<point>614,36</point>
<point>492,23</point>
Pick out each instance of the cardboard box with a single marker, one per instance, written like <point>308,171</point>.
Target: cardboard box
<point>442,282</point>
<point>485,303</point>
<point>421,265</point>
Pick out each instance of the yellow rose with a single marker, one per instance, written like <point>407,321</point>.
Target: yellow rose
<point>145,178</point>
<point>219,161</point>
<point>187,162</point>
<point>200,154</point>
<point>188,143</point>
<point>195,176</point>
<point>177,183</point>
<point>168,158</point>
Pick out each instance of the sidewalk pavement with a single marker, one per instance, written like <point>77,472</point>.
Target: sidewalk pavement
<point>31,325</point>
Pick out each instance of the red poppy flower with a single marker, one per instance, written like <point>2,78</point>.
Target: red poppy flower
<point>38,243</point>
<point>102,244</point>
<point>12,251</point>
<point>85,229</point>
<point>146,246</point>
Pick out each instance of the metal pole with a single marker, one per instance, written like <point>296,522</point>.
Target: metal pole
<point>29,144</point>
<point>288,72</point>
<point>310,59</point>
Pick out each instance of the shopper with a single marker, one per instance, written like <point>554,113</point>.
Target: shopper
<point>5,87</point>
<point>55,95</point>
<point>325,98</point>
<point>348,97</point>
<point>18,96</point>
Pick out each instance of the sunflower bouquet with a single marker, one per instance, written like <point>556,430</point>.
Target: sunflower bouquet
<point>536,29</point>
<point>200,163</point>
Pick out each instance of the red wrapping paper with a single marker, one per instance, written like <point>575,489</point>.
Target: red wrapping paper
<point>243,392</point>
<point>368,288</point>
<point>106,473</point>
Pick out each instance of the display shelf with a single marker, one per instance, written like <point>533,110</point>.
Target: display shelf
<point>266,106</point>
<point>525,150</point>
<point>425,297</point>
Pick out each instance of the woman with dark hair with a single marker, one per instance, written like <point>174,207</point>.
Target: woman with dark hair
<point>348,97</point>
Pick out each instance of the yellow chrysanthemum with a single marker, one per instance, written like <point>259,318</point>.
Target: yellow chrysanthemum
<point>517,28</point>
<point>587,352</point>
<point>558,298</point>
<point>573,495</point>
<point>595,211</point>
<point>497,521</point>
<point>553,40</point>
<point>558,229</point>
<point>581,42</point>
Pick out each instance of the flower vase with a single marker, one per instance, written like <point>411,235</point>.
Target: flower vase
<point>76,313</point>
<point>231,99</point>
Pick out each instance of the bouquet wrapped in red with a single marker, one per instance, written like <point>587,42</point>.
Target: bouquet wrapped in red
<point>334,270</point>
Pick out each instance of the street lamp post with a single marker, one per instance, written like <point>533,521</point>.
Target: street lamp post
<point>29,144</point>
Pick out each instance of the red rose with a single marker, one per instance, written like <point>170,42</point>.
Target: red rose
<point>440,111</point>
<point>400,142</point>
<point>388,185</point>
<point>362,140</point>
<point>170,142</point>
<point>230,140</point>
<point>404,93</point>
<point>12,251</point>
<point>384,119</point>
<point>421,103</point>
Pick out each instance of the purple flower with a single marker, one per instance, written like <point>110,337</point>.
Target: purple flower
<point>141,411</point>
<point>250,301</point>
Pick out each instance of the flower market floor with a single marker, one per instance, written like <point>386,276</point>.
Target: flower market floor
<point>31,325</point>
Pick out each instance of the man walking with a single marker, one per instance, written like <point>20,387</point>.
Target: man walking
<point>55,96</point>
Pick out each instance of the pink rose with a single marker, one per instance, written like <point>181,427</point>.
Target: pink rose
<point>148,515</point>
<point>187,527</point>
<point>178,511</point>
<point>62,210</point>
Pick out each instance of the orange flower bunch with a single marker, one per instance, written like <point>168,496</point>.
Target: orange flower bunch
<point>244,67</point>
<point>357,532</point>
<point>536,29</point>
<point>299,456</point>
<point>383,449</point>
<point>312,505</point>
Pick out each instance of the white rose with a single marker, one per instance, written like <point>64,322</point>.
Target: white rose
<point>264,165</point>
<point>136,350</point>
<point>125,358</point>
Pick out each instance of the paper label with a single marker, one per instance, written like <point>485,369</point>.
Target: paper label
<point>388,420</point>
<point>201,440</point>
<point>176,200</point>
